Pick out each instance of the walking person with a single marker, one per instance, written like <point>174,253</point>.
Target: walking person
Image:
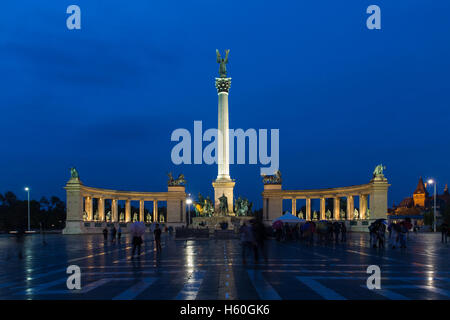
<point>105,234</point>
<point>403,234</point>
<point>20,239</point>
<point>137,230</point>
<point>444,232</point>
<point>247,241</point>
<point>381,234</point>
<point>343,232</point>
<point>113,234</point>
<point>119,233</point>
<point>157,234</point>
<point>336,230</point>
<point>260,237</point>
<point>394,234</point>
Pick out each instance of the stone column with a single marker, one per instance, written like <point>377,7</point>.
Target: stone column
<point>350,207</point>
<point>363,206</point>
<point>322,208</point>
<point>273,203</point>
<point>155,210</point>
<point>74,202</point>
<point>101,209</point>
<point>223,152</point>
<point>308,209</point>
<point>223,185</point>
<point>294,206</point>
<point>115,210</point>
<point>127,211</point>
<point>337,208</point>
<point>88,207</point>
<point>379,198</point>
<point>141,210</point>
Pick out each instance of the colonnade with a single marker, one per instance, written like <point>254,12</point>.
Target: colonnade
<point>80,208</point>
<point>336,214</point>
<point>115,214</point>
<point>372,197</point>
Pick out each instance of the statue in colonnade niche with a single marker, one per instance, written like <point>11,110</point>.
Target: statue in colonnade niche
<point>121,217</point>
<point>148,218</point>
<point>85,215</point>
<point>356,214</point>
<point>315,215</point>
<point>161,218</point>
<point>328,214</point>
<point>368,214</point>
<point>342,214</point>
<point>108,216</point>
<point>301,215</point>
<point>96,216</point>
<point>135,217</point>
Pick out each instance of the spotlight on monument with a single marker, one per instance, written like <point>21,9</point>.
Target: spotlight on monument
<point>188,201</point>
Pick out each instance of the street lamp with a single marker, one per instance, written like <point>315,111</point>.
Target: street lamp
<point>189,202</point>
<point>431,181</point>
<point>28,191</point>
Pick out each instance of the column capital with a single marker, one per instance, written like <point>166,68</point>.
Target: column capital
<point>223,85</point>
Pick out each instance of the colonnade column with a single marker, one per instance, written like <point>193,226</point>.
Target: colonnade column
<point>294,206</point>
<point>101,209</point>
<point>337,208</point>
<point>114,210</point>
<point>363,206</point>
<point>322,208</point>
<point>127,211</point>
<point>350,207</point>
<point>308,208</point>
<point>155,210</point>
<point>88,207</point>
<point>141,210</point>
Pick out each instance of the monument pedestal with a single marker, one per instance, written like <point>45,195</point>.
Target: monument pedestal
<point>223,187</point>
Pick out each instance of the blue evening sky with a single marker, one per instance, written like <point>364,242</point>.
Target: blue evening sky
<point>107,97</point>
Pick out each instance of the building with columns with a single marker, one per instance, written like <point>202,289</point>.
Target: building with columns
<point>372,201</point>
<point>80,213</point>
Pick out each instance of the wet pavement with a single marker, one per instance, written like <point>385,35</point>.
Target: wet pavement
<point>213,269</point>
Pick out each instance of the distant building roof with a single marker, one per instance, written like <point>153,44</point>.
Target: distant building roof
<point>421,188</point>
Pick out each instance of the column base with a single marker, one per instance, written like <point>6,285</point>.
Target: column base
<point>73,227</point>
<point>223,187</point>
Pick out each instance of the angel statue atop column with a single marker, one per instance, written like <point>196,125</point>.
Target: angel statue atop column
<point>222,63</point>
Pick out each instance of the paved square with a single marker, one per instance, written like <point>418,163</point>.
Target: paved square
<point>213,269</point>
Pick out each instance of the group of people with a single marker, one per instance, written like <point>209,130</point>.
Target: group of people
<point>326,230</point>
<point>398,233</point>
<point>136,235</point>
<point>137,241</point>
<point>253,236</point>
<point>113,232</point>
